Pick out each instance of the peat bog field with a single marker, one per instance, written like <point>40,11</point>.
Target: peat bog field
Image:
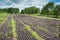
<point>24,27</point>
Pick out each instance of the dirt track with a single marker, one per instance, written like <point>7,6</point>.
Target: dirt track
<point>23,34</point>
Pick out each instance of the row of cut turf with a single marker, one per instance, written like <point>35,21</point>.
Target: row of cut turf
<point>13,31</point>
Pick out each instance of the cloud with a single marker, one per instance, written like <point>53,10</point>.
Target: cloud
<point>7,0</point>
<point>57,3</point>
<point>21,4</point>
<point>37,3</point>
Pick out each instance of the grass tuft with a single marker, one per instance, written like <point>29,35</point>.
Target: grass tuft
<point>41,28</point>
<point>33,33</point>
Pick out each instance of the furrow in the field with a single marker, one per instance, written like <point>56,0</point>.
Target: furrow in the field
<point>5,30</point>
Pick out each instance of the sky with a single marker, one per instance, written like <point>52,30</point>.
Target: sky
<point>21,4</point>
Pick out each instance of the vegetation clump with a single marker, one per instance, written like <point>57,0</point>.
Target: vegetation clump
<point>33,33</point>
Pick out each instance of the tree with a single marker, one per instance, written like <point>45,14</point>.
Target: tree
<point>47,9</point>
<point>57,11</point>
<point>13,10</point>
<point>10,10</point>
<point>30,10</point>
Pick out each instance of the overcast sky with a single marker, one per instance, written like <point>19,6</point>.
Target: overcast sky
<point>21,4</point>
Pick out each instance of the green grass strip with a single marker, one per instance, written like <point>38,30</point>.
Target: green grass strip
<point>41,28</point>
<point>14,34</point>
<point>3,18</point>
<point>33,33</point>
<point>44,29</point>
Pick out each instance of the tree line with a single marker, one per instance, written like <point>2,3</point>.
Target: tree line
<point>30,10</point>
<point>10,10</point>
<point>49,9</point>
